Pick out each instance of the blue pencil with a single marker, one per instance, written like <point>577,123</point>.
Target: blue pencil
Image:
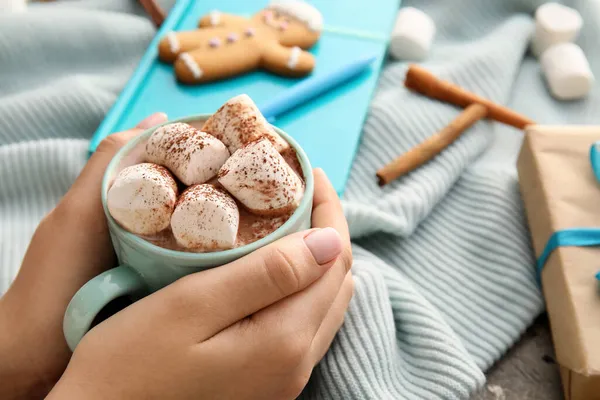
<point>312,87</point>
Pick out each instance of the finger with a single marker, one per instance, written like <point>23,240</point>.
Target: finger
<point>327,208</point>
<point>303,312</point>
<point>333,320</point>
<point>220,297</point>
<point>280,355</point>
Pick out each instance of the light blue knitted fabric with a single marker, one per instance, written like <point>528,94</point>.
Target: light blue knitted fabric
<point>444,270</point>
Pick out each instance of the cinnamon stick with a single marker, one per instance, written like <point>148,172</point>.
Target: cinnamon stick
<point>155,11</point>
<point>424,82</point>
<point>432,146</point>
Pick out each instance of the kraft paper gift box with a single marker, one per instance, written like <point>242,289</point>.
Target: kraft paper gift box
<point>560,191</point>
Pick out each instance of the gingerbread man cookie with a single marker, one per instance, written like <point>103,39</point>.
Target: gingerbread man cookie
<point>228,45</point>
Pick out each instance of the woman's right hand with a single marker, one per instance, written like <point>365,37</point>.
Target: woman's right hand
<point>252,329</point>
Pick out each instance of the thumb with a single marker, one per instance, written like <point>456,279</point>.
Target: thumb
<point>224,295</point>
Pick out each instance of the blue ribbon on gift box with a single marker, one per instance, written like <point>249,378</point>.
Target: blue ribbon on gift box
<point>576,237</point>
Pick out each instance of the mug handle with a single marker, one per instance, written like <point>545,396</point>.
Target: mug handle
<point>94,296</point>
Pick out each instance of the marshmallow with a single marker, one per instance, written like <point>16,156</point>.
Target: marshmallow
<point>412,35</point>
<point>205,218</point>
<point>238,122</point>
<point>554,23</point>
<point>142,198</point>
<point>193,156</point>
<point>13,5</point>
<point>567,71</point>
<point>260,178</point>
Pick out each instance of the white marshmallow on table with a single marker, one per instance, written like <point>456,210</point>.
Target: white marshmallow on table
<point>13,5</point>
<point>412,35</point>
<point>554,23</point>
<point>193,156</point>
<point>205,218</point>
<point>260,178</point>
<point>238,122</point>
<point>567,71</point>
<point>142,198</point>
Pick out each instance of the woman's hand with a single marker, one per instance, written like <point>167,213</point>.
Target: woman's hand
<point>252,329</point>
<point>70,246</point>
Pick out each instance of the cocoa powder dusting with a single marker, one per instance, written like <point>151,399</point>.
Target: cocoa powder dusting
<point>179,140</point>
<point>252,227</point>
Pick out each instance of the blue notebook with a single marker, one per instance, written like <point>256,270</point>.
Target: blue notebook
<point>328,127</point>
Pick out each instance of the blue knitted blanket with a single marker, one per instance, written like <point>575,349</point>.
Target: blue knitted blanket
<point>443,265</point>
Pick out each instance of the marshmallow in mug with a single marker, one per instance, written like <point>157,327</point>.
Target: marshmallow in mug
<point>193,156</point>
<point>239,122</point>
<point>554,23</point>
<point>205,218</point>
<point>260,178</point>
<point>142,198</point>
<point>412,35</point>
<point>567,71</point>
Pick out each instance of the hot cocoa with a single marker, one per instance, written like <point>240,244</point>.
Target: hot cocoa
<point>190,190</point>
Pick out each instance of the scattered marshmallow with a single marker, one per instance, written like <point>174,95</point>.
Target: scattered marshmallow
<point>238,122</point>
<point>13,6</point>
<point>260,178</point>
<point>554,23</point>
<point>567,71</point>
<point>205,218</point>
<point>412,35</point>
<point>193,156</point>
<point>142,198</point>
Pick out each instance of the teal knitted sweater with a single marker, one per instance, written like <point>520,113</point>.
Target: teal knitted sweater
<point>443,265</point>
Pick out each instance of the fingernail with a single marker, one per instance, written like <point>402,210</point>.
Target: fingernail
<point>324,244</point>
<point>153,120</point>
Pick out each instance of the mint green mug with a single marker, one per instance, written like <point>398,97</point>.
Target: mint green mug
<point>144,267</point>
